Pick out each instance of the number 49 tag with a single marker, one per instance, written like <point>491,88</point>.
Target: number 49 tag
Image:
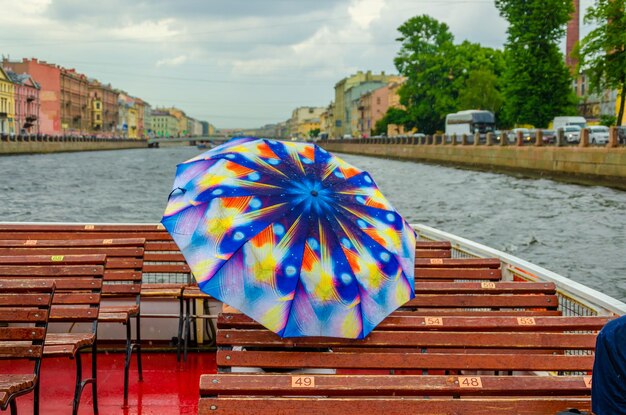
<point>303,381</point>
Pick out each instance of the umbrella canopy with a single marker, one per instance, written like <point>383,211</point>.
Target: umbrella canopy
<point>292,236</point>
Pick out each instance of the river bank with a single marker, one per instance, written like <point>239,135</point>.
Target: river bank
<point>601,166</point>
<point>44,145</point>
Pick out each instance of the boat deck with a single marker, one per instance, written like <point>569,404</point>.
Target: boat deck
<point>169,387</point>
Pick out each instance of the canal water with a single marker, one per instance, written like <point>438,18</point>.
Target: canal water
<point>576,231</point>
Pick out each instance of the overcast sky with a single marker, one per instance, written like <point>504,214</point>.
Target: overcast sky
<point>234,63</point>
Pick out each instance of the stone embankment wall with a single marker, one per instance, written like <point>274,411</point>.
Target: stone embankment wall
<point>64,144</point>
<point>604,166</point>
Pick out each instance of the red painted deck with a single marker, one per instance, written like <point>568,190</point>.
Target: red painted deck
<point>168,387</point>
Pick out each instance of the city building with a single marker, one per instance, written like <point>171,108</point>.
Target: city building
<point>304,120</point>
<point>327,120</point>
<point>348,90</point>
<point>26,103</point>
<point>104,108</point>
<point>75,111</point>
<point>48,76</point>
<point>393,101</point>
<point>164,124</point>
<point>7,104</point>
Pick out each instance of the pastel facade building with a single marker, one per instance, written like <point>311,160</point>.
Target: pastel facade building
<point>345,94</point>
<point>303,120</point>
<point>75,111</point>
<point>48,76</point>
<point>104,108</point>
<point>164,124</point>
<point>26,103</point>
<point>7,104</point>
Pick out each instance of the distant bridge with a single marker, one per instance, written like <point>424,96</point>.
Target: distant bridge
<point>218,139</point>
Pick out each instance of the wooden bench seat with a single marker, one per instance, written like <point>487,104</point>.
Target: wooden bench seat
<point>78,282</point>
<point>165,272</point>
<point>122,280</point>
<point>257,393</point>
<point>272,384</point>
<point>24,315</point>
<point>452,269</point>
<point>433,249</point>
<point>409,321</point>
<point>364,406</point>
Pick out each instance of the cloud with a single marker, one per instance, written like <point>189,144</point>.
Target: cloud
<point>363,12</point>
<point>178,60</point>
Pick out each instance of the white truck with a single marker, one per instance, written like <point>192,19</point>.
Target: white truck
<point>571,126</point>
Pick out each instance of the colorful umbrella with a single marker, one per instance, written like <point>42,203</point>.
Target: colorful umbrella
<point>292,236</point>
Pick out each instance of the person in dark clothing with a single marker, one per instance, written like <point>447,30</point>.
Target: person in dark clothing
<point>608,384</point>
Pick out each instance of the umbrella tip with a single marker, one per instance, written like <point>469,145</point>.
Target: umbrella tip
<point>314,192</point>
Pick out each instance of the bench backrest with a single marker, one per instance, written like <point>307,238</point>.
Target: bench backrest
<point>163,262</point>
<point>78,280</point>
<point>452,269</point>
<point>433,249</point>
<point>25,310</point>
<point>124,259</point>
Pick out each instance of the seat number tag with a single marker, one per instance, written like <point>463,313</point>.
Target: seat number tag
<point>30,242</point>
<point>89,227</point>
<point>436,261</point>
<point>433,321</point>
<point>587,380</point>
<point>303,381</point>
<point>470,382</point>
<point>56,258</point>
<point>107,241</point>
<point>487,285</point>
<point>526,321</point>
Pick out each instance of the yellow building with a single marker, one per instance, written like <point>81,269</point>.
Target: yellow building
<point>182,120</point>
<point>7,104</point>
<point>394,102</point>
<point>307,126</point>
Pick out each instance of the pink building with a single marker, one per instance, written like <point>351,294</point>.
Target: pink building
<point>26,103</point>
<point>48,77</point>
<point>372,107</point>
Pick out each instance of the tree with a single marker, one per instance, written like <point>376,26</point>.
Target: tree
<point>396,116</point>
<point>437,71</point>
<point>536,82</point>
<point>602,53</point>
<point>481,92</point>
<point>314,132</point>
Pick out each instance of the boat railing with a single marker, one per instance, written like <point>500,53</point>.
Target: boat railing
<point>575,299</point>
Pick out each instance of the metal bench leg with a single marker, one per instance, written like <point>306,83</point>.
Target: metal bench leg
<point>36,397</point>
<point>180,329</point>
<point>13,406</point>
<point>94,378</point>
<point>187,329</point>
<point>129,352</point>
<point>78,387</point>
<point>138,346</point>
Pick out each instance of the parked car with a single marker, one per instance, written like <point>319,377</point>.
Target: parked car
<point>572,134</point>
<point>598,134</point>
<point>526,135</point>
<point>549,136</point>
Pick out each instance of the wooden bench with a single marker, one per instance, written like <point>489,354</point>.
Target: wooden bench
<point>454,269</point>
<point>463,346</point>
<point>165,272</point>
<point>380,394</point>
<point>24,313</point>
<point>433,249</point>
<point>78,280</point>
<point>122,280</point>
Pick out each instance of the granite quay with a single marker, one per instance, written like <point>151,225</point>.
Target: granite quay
<point>583,164</point>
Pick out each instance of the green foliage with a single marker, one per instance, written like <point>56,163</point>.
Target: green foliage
<point>608,120</point>
<point>602,53</point>
<point>437,71</point>
<point>314,132</point>
<point>481,92</point>
<point>536,82</point>
<point>393,115</point>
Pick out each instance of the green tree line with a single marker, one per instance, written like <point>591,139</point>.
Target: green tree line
<point>525,83</point>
